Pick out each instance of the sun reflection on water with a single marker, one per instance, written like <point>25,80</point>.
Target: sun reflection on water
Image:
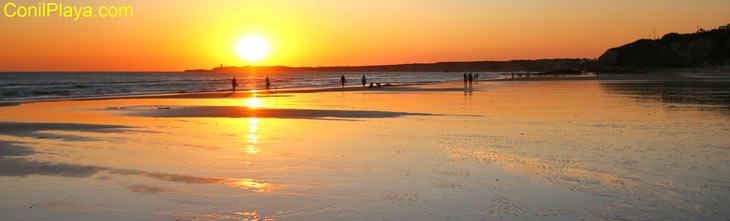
<point>252,149</point>
<point>254,102</point>
<point>251,137</point>
<point>251,184</point>
<point>253,128</point>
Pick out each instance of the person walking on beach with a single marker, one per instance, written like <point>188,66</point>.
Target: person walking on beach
<point>342,81</point>
<point>234,84</point>
<point>364,80</point>
<point>268,84</point>
<point>464,79</point>
<point>471,78</point>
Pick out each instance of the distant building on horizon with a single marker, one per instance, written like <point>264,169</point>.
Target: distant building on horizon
<point>724,26</point>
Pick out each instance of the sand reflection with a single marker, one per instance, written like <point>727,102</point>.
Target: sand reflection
<point>703,94</point>
<point>566,150</point>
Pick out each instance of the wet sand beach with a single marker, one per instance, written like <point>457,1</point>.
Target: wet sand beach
<point>589,148</point>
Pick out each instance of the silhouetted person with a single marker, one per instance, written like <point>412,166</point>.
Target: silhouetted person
<point>364,80</point>
<point>268,84</point>
<point>371,85</point>
<point>234,84</point>
<point>465,79</point>
<point>476,77</point>
<point>342,80</point>
<point>471,78</point>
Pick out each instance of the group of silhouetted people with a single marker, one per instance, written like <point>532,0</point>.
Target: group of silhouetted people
<point>520,75</point>
<point>364,80</point>
<point>234,84</point>
<point>469,78</point>
<point>343,80</point>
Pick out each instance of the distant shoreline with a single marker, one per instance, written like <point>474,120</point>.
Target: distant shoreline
<point>539,65</point>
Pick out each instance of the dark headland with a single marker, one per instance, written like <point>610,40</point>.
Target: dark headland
<point>702,49</point>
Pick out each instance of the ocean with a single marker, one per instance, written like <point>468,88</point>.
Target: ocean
<point>61,85</point>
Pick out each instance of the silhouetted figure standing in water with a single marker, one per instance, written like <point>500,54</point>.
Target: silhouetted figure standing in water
<point>342,81</point>
<point>471,79</point>
<point>268,84</point>
<point>476,77</point>
<point>234,84</point>
<point>464,79</point>
<point>364,80</point>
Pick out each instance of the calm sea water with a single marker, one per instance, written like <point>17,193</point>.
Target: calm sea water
<point>53,85</point>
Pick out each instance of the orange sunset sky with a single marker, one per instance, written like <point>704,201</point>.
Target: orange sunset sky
<point>173,35</point>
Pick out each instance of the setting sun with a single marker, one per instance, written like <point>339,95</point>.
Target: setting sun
<point>252,48</point>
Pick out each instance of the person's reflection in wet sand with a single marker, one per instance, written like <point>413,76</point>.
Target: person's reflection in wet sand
<point>467,88</point>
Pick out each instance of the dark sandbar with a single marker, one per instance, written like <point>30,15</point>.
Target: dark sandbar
<point>246,112</point>
<point>22,129</point>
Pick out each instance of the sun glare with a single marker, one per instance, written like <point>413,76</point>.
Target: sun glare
<point>253,102</point>
<point>252,48</point>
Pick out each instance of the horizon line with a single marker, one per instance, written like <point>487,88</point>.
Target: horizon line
<point>323,66</point>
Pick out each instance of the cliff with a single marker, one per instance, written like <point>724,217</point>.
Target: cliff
<point>701,49</point>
